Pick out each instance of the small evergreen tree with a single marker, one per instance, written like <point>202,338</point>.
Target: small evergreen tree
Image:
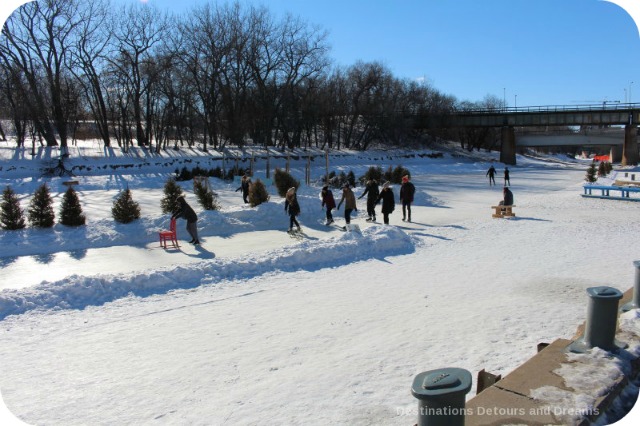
<point>591,173</point>
<point>125,209</point>
<point>608,167</point>
<point>172,191</point>
<point>11,215</point>
<point>206,198</point>
<point>40,212</point>
<point>602,169</point>
<point>71,210</point>
<point>257,193</point>
<point>374,173</point>
<point>284,181</point>
<point>351,179</point>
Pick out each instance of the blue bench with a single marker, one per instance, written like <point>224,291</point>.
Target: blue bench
<point>605,191</point>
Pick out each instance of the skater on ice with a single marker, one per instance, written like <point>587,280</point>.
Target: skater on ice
<point>292,207</point>
<point>244,187</point>
<point>388,201</point>
<point>372,192</point>
<point>349,203</point>
<point>407,191</point>
<point>187,213</point>
<point>492,175</point>
<point>507,180</point>
<point>328,202</point>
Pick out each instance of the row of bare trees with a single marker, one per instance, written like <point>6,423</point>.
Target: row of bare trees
<point>216,75</point>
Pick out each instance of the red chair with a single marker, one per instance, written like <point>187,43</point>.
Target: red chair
<point>169,235</point>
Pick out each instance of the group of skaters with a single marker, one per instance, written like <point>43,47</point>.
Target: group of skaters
<point>375,196</point>
<point>492,176</point>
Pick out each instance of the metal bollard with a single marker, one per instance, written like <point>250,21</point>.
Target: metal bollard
<point>602,321</point>
<point>442,396</point>
<point>635,301</point>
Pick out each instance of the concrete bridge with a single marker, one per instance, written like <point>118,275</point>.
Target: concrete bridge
<point>626,116</point>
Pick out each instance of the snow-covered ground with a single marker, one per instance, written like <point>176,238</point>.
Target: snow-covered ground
<point>98,325</point>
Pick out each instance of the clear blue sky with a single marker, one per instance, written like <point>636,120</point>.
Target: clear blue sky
<point>527,52</point>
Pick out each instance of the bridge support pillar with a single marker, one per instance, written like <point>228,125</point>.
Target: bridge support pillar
<point>508,148</point>
<point>630,147</point>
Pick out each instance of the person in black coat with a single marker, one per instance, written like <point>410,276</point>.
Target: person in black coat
<point>372,192</point>
<point>244,187</point>
<point>187,213</point>
<point>292,207</point>
<point>492,175</point>
<point>407,191</point>
<point>507,199</point>
<point>388,201</point>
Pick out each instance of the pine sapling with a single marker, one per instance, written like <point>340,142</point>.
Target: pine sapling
<point>172,191</point>
<point>71,210</point>
<point>125,209</point>
<point>11,215</point>
<point>40,211</point>
<point>257,193</point>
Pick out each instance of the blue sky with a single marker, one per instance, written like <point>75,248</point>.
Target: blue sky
<point>527,52</point>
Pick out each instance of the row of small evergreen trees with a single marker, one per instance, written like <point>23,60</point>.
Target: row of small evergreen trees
<point>594,172</point>
<point>40,213</point>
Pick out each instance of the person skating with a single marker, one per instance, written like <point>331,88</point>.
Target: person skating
<point>328,202</point>
<point>372,192</point>
<point>244,187</point>
<point>507,180</point>
<point>492,175</point>
<point>187,213</point>
<point>292,207</point>
<point>388,201</point>
<point>407,191</point>
<point>349,203</point>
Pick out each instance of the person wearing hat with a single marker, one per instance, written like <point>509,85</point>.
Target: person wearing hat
<point>187,213</point>
<point>372,192</point>
<point>329,202</point>
<point>388,201</point>
<point>292,207</point>
<point>349,203</point>
<point>407,190</point>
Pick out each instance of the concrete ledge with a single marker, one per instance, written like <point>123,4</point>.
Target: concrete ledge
<point>509,400</point>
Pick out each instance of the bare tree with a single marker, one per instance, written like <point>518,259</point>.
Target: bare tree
<point>141,30</point>
<point>87,60</point>
<point>35,42</point>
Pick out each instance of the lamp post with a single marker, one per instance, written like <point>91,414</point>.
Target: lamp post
<point>504,98</point>
<point>630,91</point>
<point>625,95</point>
<point>515,101</point>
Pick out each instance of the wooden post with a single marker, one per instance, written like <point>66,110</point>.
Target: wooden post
<point>287,168</point>
<point>307,174</point>
<point>326,156</point>
<point>268,163</point>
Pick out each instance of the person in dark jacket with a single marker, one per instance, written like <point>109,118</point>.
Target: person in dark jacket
<point>492,175</point>
<point>187,213</point>
<point>388,201</point>
<point>507,179</point>
<point>507,199</point>
<point>407,191</point>
<point>372,192</point>
<point>244,187</point>
<point>328,202</point>
<point>292,207</point>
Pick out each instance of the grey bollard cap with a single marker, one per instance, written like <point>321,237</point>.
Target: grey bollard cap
<point>604,293</point>
<point>441,382</point>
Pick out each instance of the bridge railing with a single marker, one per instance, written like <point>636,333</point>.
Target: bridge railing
<point>605,106</point>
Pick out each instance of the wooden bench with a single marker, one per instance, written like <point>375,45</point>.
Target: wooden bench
<point>70,182</point>
<point>503,211</point>
<point>605,192</point>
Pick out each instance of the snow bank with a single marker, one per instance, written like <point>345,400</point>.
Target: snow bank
<point>78,292</point>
